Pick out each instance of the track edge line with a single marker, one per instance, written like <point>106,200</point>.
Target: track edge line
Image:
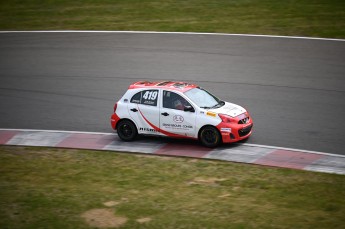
<point>181,33</point>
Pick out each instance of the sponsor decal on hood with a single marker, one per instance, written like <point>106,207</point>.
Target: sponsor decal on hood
<point>230,109</point>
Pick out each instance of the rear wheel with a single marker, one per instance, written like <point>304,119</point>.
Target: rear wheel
<point>210,136</point>
<point>127,130</point>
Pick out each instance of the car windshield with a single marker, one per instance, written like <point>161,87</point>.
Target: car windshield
<point>203,98</point>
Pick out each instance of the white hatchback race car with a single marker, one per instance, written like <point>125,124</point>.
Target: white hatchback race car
<point>180,110</point>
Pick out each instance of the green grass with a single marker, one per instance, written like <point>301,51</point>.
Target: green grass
<point>316,18</point>
<point>52,188</point>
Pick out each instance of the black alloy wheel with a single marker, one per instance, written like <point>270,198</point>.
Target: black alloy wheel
<point>126,130</point>
<point>210,136</point>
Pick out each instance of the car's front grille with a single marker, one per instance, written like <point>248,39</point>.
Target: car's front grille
<point>244,121</point>
<point>245,131</point>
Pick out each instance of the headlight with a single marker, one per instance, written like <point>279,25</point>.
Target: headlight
<point>226,118</point>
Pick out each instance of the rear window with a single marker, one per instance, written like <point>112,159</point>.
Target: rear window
<point>136,98</point>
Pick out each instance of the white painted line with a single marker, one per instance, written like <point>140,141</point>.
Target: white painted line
<point>292,149</point>
<point>182,33</point>
<point>59,131</point>
<point>244,144</point>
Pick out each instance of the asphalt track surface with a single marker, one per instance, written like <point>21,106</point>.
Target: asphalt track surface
<point>293,88</point>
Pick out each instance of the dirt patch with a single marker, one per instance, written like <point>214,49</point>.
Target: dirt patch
<point>103,218</point>
<point>236,188</point>
<point>110,203</point>
<point>206,181</point>
<point>144,220</point>
<point>225,195</point>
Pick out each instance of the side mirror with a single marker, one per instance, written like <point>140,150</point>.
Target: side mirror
<point>189,108</point>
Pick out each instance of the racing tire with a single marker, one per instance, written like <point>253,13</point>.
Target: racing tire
<point>126,130</point>
<point>210,137</point>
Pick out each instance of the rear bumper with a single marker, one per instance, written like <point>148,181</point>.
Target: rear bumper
<point>114,119</point>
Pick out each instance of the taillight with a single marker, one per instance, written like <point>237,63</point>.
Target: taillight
<point>225,118</point>
<point>115,106</point>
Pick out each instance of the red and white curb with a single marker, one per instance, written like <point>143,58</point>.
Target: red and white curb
<point>243,153</point>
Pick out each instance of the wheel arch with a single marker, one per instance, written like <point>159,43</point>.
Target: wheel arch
<point>208,125</point>
<point>126,119</point>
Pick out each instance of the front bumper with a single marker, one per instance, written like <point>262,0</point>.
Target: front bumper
<point>234,132</point>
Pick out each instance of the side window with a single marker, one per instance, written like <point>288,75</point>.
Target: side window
<point>148,97</point>
<point>136,98</point>
<point>174,101</point>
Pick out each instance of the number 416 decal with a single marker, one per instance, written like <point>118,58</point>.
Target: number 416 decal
<point>150,95</point>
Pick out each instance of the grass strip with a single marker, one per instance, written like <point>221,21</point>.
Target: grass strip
<point>60,188</point>
<point>315,18</point>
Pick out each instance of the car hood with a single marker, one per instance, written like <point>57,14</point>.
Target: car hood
<point>230,109</point>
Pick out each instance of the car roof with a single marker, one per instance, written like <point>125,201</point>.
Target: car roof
<point>172,85</point>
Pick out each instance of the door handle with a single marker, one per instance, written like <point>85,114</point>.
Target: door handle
<point>165,114</point>
<point>134,110</point>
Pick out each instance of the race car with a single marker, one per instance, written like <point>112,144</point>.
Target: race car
<point>179,110</point>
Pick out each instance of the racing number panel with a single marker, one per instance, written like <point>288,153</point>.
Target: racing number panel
<point>143,107</point>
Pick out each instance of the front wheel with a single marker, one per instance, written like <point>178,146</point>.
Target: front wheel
<point>126,130</point>
<point>210,136</point>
